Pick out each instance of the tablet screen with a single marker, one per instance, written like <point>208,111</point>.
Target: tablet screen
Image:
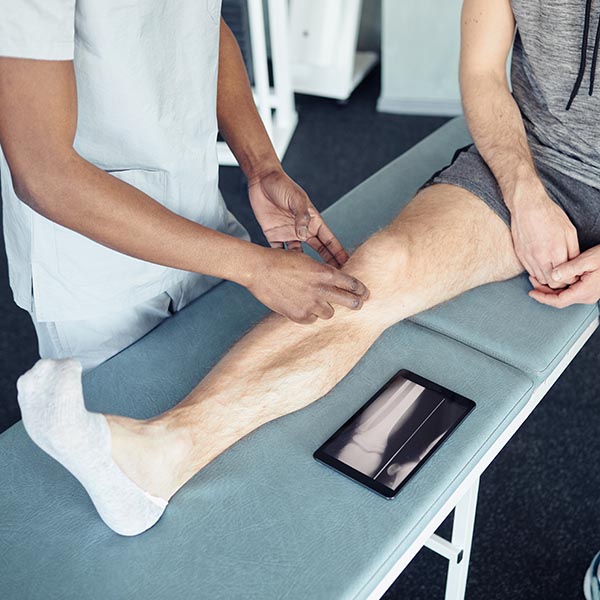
<point>394,432</point>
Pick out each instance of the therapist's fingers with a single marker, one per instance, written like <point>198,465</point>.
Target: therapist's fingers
<point>327,245</point>
<point>344,298</point>
<point>343,281</point>
<point>322,250</point>
<point>280,245</point>
<point>333,244</point>
<point>324,310</point>
<point>294,245</point>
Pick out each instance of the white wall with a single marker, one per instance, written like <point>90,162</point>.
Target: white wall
<point>420,50</point>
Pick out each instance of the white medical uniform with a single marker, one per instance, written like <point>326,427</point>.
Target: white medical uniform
<point>146,75</point>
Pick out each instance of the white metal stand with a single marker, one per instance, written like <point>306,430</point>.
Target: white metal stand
<point>323,38</point>
<point>275,105</point>
<point>462,537</point>
<point>458,550</point>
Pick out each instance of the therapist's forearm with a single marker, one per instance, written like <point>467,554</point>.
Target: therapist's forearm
<point>239,121</point>
<point>38,121</point>
<point>74,193</point>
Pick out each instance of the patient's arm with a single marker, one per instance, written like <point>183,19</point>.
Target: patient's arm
<point>492,114</point>
<point>543,235</point>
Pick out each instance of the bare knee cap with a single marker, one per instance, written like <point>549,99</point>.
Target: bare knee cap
<point>382,263</point>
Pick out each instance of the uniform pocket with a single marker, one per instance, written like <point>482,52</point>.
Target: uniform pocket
<point>84,262</point>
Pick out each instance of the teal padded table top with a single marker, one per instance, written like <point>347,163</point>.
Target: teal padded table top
<point>262,521</point>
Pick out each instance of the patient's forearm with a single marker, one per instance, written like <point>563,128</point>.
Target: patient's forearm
<point>498,131</point>
<point>494,119</point>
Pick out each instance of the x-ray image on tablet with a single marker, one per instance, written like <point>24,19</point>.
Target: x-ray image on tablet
<point>384,443</point>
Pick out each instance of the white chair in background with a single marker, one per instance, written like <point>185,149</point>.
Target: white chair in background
<point>323,41</point>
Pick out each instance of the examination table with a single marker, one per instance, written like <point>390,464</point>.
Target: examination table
<point>264,520</point>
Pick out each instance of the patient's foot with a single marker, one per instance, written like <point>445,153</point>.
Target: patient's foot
<point>55,417</point>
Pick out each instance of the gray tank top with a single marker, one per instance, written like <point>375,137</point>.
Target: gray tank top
<point>553,80</point>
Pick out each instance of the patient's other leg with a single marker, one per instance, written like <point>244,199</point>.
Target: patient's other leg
<point>442,244</point>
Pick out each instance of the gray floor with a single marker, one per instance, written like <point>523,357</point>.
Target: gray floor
<point>538,518</point>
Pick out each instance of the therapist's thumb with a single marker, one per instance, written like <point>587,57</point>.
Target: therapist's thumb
<point>302,221</point>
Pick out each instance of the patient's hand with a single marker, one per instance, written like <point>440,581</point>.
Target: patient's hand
<point>543,235</point>
<point>584,270</point>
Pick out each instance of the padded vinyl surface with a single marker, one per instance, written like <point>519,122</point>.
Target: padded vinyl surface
<point>264,520</point>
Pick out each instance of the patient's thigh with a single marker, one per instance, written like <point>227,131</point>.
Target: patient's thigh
<point>444,242</point>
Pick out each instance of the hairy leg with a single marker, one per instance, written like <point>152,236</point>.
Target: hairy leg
<point>446,241</point>
<point>443,243</point>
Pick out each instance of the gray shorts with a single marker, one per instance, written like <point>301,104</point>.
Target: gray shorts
<point>580,202</point>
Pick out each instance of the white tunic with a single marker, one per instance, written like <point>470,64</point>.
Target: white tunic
<point>146,81</point>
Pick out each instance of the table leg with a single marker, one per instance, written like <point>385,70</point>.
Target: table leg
<point>462,537</point>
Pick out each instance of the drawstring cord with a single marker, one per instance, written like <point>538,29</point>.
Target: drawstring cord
<point>583,58</point>
<point>594,58</point>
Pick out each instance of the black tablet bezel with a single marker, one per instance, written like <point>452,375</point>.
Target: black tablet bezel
<point>389,493</point>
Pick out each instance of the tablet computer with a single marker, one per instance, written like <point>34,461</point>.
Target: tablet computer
<point>383,444</point>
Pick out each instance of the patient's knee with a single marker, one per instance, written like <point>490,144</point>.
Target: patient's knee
<point>382,263</point>
<point>378,260</point>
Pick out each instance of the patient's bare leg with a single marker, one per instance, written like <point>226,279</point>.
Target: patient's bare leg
<point>445,242</point>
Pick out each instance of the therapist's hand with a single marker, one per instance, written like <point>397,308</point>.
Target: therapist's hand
<point>302,289</point>
<point>583,271</point>
<point>288,217</point>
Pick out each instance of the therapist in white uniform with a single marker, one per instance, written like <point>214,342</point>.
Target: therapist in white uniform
<point>109,111</point>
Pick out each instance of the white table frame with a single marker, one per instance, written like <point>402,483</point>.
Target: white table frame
<point>464,500</point>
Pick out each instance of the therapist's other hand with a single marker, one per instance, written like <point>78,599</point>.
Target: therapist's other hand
<point>543,235</point>
<point>584,273</point>
<point>288,217</point>
<point>302,289</point>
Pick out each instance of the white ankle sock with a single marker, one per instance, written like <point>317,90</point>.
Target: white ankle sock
<point>55,417</point>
